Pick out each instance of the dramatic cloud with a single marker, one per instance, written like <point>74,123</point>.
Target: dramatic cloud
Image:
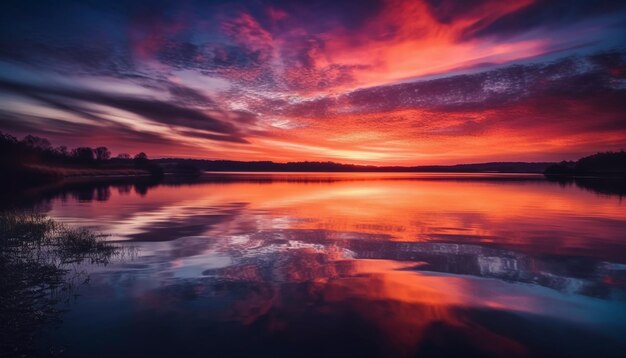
<point>393,82</point>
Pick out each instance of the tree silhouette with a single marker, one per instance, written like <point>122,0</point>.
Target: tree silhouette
<point>62,151</point>
<point>102,154</point>
<point>37,142</point>
<point>83,154</point>
<point>33,161</point>
<point>141,159</point>
<point>606,163</point>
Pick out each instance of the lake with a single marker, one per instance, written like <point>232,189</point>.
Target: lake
<point>348,264</point>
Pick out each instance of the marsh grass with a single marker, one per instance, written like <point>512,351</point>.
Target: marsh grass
<point>40,266</point>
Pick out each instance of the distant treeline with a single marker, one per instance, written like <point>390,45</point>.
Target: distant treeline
<point>599,164</point>
<point>33,149</point>
<point>33,160</point>
<point>268,166</point>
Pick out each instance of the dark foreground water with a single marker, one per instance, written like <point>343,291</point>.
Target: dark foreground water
<point>349,265</point>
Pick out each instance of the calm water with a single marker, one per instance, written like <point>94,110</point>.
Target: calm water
<point>349,265</point>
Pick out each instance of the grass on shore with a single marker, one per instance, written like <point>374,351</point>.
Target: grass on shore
<point>39,266</point>
<point>88,172</point>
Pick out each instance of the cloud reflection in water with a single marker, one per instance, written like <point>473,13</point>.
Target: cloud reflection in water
<point>414,267</point>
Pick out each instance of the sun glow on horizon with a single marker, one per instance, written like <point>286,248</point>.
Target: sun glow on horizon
<point>385,82</point>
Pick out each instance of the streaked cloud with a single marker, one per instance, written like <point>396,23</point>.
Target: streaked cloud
<point>407,82</point>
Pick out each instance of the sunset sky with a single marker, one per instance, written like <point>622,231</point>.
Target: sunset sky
<point>369,82</point>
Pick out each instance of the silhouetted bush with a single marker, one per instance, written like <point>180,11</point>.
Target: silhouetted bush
<point>141,160</point>
<point>83,155</point>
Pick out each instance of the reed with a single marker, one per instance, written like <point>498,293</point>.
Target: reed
<point>40,266</point>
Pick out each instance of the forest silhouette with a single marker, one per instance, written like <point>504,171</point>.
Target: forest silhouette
<point>33,161</point>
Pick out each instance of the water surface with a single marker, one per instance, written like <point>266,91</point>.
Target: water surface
<point>349,264</point>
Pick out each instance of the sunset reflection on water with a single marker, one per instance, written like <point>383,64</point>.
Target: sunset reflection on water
<point>391,265</point>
